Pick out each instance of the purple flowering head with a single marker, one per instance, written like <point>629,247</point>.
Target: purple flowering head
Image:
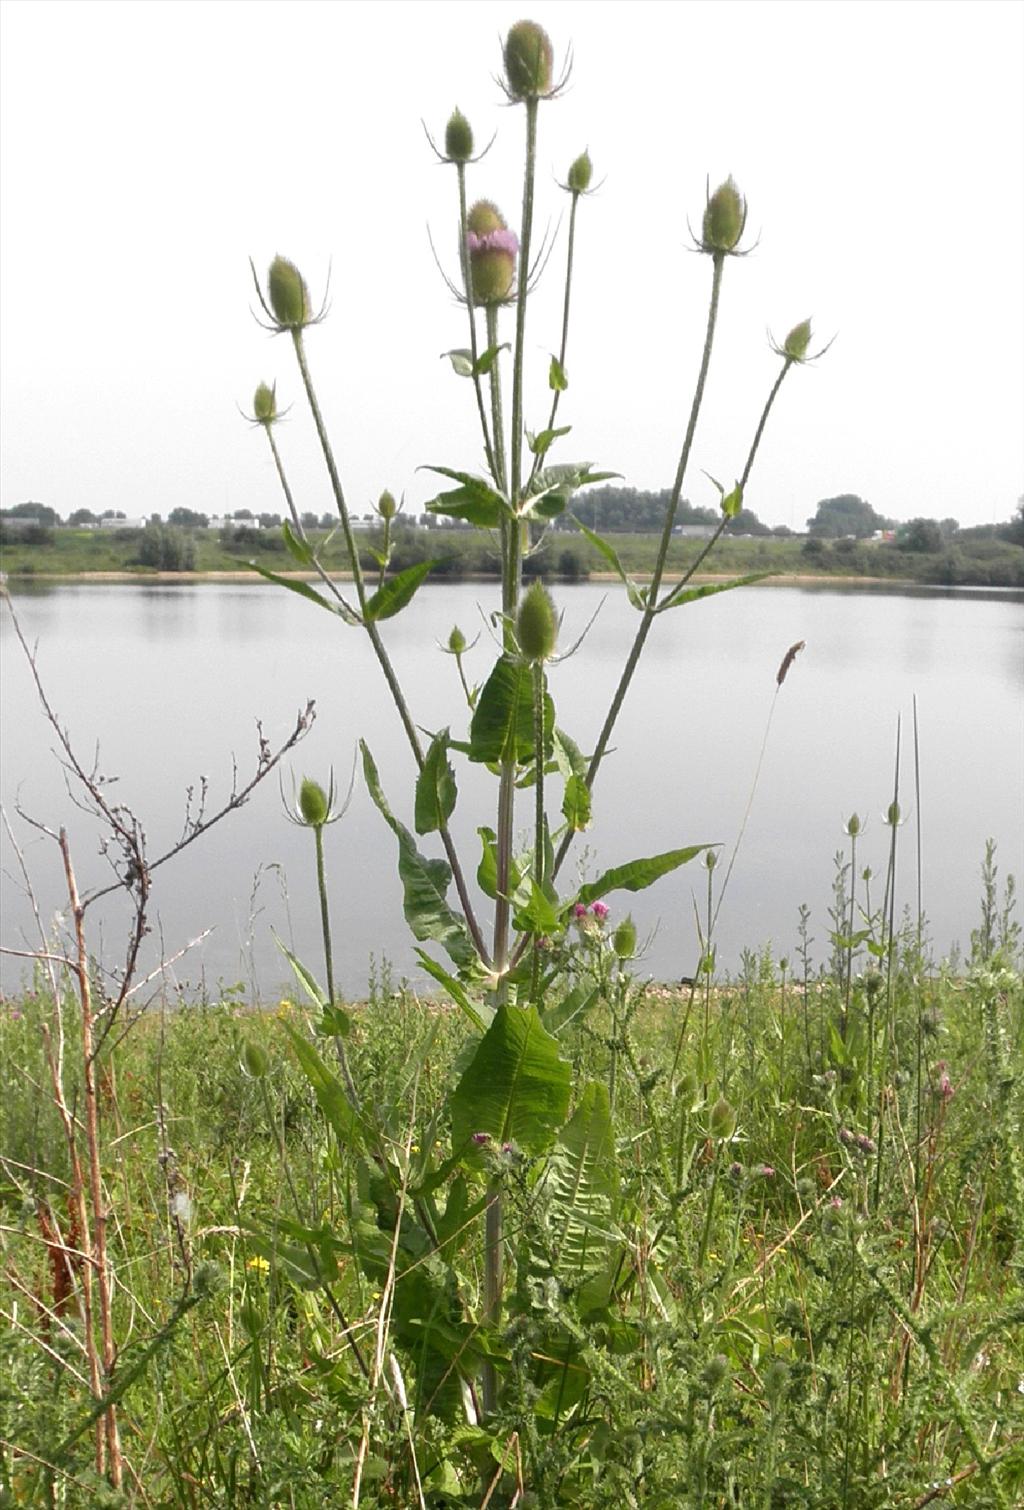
<point>600,911</point>
<point>491,249</point>
<point>481,1138</point>
<point>735,1170</point>
<point>865,1144</point>
<point>846,1137</point>
<point>836,1203</point>
<point>767,1171</point>
<point>946,1089</point>
<point>579,912</point>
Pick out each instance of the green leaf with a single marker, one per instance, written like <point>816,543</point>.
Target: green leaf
<point>576,804</point>
<point>541,444</point>
<point>304,590</point>
<point>298,548</point>
<point>461,360</point>
<point>305,978</point>
<point>557,380</point>
<point>486,360</point>
<point>478,1014</point>
<point>397,591</point>
<point>582,1190</point>
<point>475,500</point>
<point>540,914</point>
<point>732,502</point>
<point>424,884</point>
<point>329,1091</point>
<point>707,590</point>
<point>637,595</point>
<point>515,1088</point>
<point>637,875</point>
<point>577,1003</point>
<point>502,724</point>
<point>569,758</point>
<point>435,787</point>
<point>487,870</point>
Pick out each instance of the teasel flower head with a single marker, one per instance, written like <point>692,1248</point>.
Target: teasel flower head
<point>795,349</point>
<point>492,250</point>
<point>580,174</point>
<point>529,62</point>
<point>314,808</point>
<point>725,216</point>
<point>537,624</point>
<point>286,301</point>
<point>458,138</point>
<point>264,405</point>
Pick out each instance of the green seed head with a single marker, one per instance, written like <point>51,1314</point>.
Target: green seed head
<point>581,173</point>
<point>492,249</point>
<point>776,1380</point>
<point>853,825</point>
<point>537,623</point>
<point>458,138</point>
<point>716,1371</point>
<point>456,641</point>
<point>387,508</point>
<point>288,295</point>
<point>256,1059</point>
<point>264,404</point>
<point>528,61</point>
<point>724,218</point>
<point>722,1120</point>
<point>624,939</point>
<point>485,217</point>
<point>796,343</point>
<point>313,804</point>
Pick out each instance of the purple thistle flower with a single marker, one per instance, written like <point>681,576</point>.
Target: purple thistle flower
<point>579,911</point>
<point>767,1171</point>
<point>600,911</point>
<point>480,1138</point>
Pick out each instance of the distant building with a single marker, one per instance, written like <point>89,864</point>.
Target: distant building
<point>124,524</point>
<point>694,531</point>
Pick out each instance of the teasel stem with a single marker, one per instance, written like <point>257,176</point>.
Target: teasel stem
<point>521,297</point>
<point>467,284</point>
<point>296,521</point>
<point>539,680</point>
<point>373,633</point>
<point>651,607</point>
<point>510,569</point>
<point>325,919</point>
<point>556,396</point>
<point>888,924</point>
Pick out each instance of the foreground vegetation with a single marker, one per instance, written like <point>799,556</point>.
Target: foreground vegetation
<point>770,1254</point>
<point>977,558</point>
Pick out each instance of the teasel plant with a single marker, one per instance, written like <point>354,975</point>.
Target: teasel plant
<point>515,1089</point>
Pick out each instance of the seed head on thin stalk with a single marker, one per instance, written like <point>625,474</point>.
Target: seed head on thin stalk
<point>286,302</point>
<point>795,348</point>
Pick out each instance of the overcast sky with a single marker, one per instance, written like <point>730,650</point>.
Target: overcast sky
<point>149,148</point>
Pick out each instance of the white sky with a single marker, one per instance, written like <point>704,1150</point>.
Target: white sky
<point>148,148</point>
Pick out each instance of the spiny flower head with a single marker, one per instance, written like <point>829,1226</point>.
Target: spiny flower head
<point>537,625</point>
<point>796,343</point>
<point>724,218</point>
<point>492,249</point>
<point>458,138</point>
<point>529,58</point>
<point>264,405</point>
<point>580,174</point>
<point>288,295</point>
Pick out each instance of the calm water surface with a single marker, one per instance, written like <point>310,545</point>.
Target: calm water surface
<point>168,682</point>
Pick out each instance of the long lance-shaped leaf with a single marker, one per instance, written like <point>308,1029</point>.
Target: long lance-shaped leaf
<point>424,885</point>
<point>636,595</point>
<point>502,723</point>
<point>340,609</point>
<point>637,875</point>
<point>329,1092</point>
<point>707,590</point>
<point>397,592</point>
<point>516,1087</point>
<point>478,1013</point>
<point>436,791</point>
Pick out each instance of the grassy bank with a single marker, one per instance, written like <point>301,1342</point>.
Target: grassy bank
<point>810,1298</point>
<point>466,553</point>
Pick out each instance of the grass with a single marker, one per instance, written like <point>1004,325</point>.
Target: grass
<point>821,1308</point>
<point>978,561</point>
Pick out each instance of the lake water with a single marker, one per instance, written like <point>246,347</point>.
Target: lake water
<point>168,682</point>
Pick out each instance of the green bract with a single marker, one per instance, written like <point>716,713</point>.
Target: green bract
<point>580,174</point>
<point>796,343</point>
<point>264,404</point>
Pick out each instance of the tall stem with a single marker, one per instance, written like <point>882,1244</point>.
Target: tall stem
<point>373,634</point>
<point>521,297</point>
<point>556,396</point>
<point>467,286</point>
